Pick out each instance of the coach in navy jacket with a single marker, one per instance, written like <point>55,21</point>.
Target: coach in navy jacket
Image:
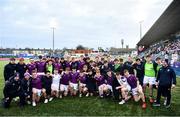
<point>166,79</point>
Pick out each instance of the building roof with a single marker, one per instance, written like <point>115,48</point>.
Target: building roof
<point>121,49</point>
<point>81,51</point>
<point>167,24</point>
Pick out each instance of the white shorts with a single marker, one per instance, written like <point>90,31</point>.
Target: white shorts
<point>38,91</point>
<point>63,87</point>
<point>128,88</point>
<point>149,80</point>
<point>109,87</point>
<point>102,86</point>
<point>135,91</point>
<point>82,84</point>
<point>55,87</point>
<point>73,85</point>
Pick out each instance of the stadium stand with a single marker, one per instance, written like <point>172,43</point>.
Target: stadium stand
<point>163,38</point>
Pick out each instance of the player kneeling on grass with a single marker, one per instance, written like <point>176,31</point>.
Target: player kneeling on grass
<point>64,83</point>
<point>109,80</point>
<point>55,85</point>
<point>36,88</point>
<point>91,83</point>
<point>26,85</point>
<point>74,82</point>
<point>102,87</point>
<point>124,88</point>
<point>82,84</point>
<point>12,89</point>
<point>46,86</point>
<point>136,88</point>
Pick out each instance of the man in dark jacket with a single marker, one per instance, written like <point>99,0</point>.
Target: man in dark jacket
<point>9,69</point>
<point>13,88</point>
<point>138,66</point>
<point>63,64</point>
<point>104,68</point>
<point>46,85</point>
<point>27,88</point>
<point>21,68</point>
<point>166,80</point>
<point>128,65</point>
<point>115,85</point>
<point>74,63</point>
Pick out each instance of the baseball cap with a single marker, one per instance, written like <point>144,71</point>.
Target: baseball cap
<point>21,59</point>
<point>12,59</point>
<point>26,74</point>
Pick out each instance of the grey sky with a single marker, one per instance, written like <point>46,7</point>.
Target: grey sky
<point>92,23</point>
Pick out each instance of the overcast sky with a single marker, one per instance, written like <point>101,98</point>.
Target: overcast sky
<point>91,23</point>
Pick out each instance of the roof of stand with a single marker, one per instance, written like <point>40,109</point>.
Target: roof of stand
<point>167,24</point>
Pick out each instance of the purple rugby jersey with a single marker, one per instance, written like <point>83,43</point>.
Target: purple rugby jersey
<point>31,67</point>
<point>132,81</point>
<point>74,77</point>
<point>40,66</point>
<point>36,83</point>
<point>68,64</point>
<point>100,80</point>
<point>109,80</point>
<point>65,79</point>
<point>80,65</point>
<point>82,79</point>
<point>57,65</point>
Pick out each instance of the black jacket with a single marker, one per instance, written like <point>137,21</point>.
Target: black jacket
<point>26,86</point>
<point>12,87</point>
<point>115,83</point>
<point>91,82</point>
<point>116,92</point>
<point>46,82</point>
<point>166,76</point>
<point>74,65</point>
<point>139,70</point>
<point>129,67</point>
<point>63,64</point>
<point>21,69</point>
<point>9,71</point>
<point>104,69</point>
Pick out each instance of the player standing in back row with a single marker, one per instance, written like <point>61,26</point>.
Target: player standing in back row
<point>150,70</point>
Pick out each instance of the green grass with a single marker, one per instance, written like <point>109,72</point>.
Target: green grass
<point>91,106</point>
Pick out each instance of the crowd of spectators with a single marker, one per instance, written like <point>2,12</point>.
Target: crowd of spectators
<point>165,49</point>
